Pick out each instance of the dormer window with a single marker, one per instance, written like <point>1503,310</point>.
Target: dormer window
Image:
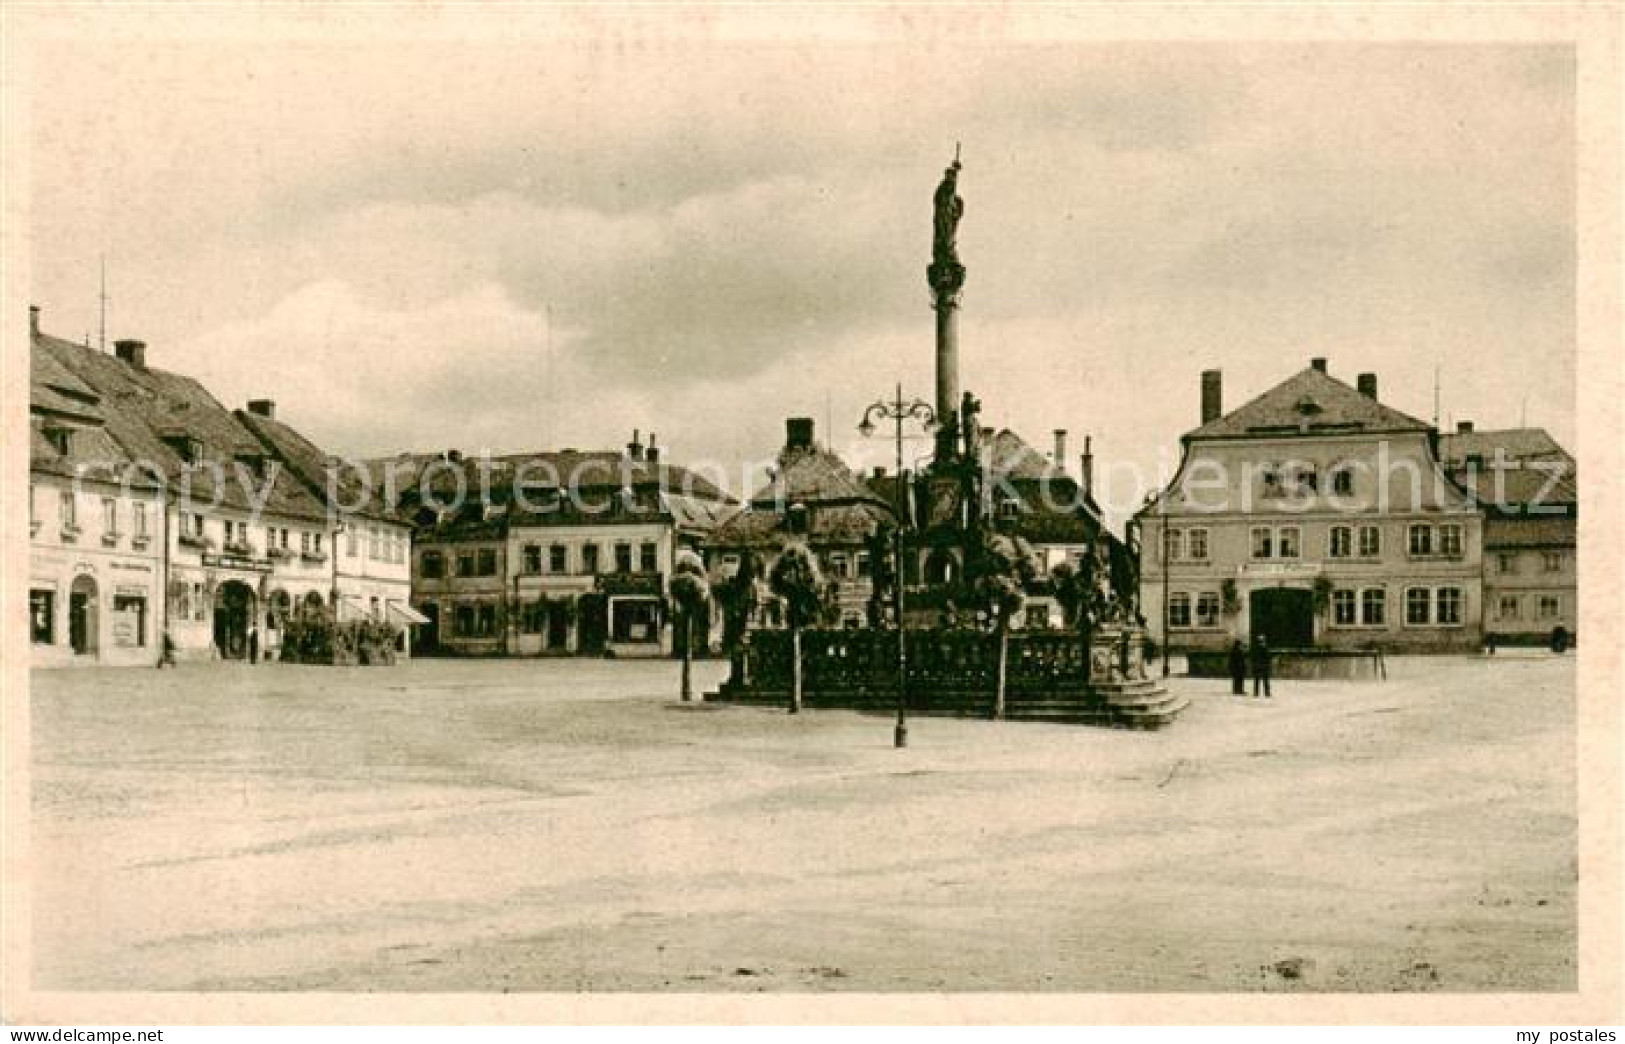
<point>1008,508</point>
<point>797,518</point>
<point>187,447</point>
<point>60,438</point>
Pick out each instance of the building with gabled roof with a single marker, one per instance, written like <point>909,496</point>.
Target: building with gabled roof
<point>549,553</point>
<point>231,515</point>
<point>1528,487</point>
<point>95,522</point>
<point>1316,516</point>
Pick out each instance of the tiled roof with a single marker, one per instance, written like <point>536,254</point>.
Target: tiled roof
<point>1520,443</point>
<point>592,470</point>
<point>829,523</point>
<point>1309,402</point>
<point>1509,533</point>
<point>813,475</point>
<point>143,404</point>
<point>309,465</point>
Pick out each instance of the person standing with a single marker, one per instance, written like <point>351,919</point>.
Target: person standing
<point>166,651</point>
<point>1261,666</point>
<point>253,645</point>
<point>1238,669</point>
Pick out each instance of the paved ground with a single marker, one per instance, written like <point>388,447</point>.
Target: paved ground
<point>568,825</point>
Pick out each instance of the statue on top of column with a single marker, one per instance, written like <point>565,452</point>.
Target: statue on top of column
<point>949,209</point>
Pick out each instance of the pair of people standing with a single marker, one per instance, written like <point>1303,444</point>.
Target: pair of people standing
<point>1258,658</point>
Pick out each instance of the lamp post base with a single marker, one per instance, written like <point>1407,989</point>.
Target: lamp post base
<point>900,736</point>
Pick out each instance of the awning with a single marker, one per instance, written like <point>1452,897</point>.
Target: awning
<point>406,614</point>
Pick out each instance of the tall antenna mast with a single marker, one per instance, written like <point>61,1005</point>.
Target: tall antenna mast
<point>1435,395</point>
<point>104,302</point>
<point>548,430</point>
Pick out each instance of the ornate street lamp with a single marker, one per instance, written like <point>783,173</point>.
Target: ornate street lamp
<point>897,411</point>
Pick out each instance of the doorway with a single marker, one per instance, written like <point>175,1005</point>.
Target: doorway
<point>233,615</point>
<point>83,627</point>
<point>1285,616</point>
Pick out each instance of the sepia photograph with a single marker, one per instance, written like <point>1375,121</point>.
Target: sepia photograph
<point>676,507</point>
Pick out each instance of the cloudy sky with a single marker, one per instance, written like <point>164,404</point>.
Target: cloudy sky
<point>519,244</point>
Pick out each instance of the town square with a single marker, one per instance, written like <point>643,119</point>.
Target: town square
<point>540,514</point>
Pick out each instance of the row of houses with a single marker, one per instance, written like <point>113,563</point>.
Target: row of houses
<point>155,510</point>
<point>1318,516</point>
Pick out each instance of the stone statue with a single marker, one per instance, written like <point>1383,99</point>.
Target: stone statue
<point>949,209</point>
<point>970,410</point>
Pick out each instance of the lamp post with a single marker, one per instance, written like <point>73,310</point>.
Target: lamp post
<point>1165,536</point>
<point>898,410</point>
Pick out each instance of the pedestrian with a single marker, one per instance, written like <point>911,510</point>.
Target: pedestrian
<point>1261,666</point>
<point>166,651</point>
<point>1238,669</point>
<point>253,645</point>
<point>1489,644</point>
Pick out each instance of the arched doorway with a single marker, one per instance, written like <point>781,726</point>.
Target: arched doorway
<point>84,626</point>
<point>233,615</point>
<point>941,567</point>
<point>1285,616</point>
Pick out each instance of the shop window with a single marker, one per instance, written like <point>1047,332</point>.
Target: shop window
<point>42,616</point>
<point>130,620</point>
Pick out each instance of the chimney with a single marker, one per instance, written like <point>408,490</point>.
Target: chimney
<point>1318,364</point>
<point>1086,464</point>
<point>262,408</point>
<point>798,433</point>
<point>33,320</point>
<point>1464,427</point>
<point>454,456</point>
<point>132,352</point>
<point>1212,395</point>
<point>1367,383</point>
<point>634,449</point>
<point>1060,448</point>
<point>652,454</point>
<point>880,472</point>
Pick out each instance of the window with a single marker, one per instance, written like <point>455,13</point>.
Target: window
<point>531,559</point>
<point>433,565</point>
<point>1179,610</point>
<point>836,565</point>
<point>130,620</point>
<point>109,517</point>
<point>372,543</point>
<point>464,621</point>
<point>1507,608</point>
<point>1176,544</point>
<point>1342,542</point>
<point>465,563</point>
<point>1421,540</point>
<point>1447,606</point>
<point>350,541</point>
<point>1008,508</point>
<point>316,542</point>
<point>1506,563</point>
<point>649,557</point>
<point>623,558</point>
<point>231,532</point>
<point>558,558</point>
<point>1037,618</point>
<point>1343,608</point>
<point>533,617</point>
<point>70,517</point>
<point>1418,602</point>
<point>1550,607</point>
<point>1373,607</point>
<point>304,541</point>
<point>1552,561</point>
<point>1343,481</point>
<point>1197,545</point>
<point>1370,541</point>
<point>42,616</point>
<point>1288,542</point>
<point>864,568</point>
<point>1263,542</point>
<point>200,603</point>
<point>486,621</point>
<point>1207,609</point>
<point>33,508</point>
<point>140,510</point>
<point>589,559</point>
<point>1450,540</point>
<point>488,561</point>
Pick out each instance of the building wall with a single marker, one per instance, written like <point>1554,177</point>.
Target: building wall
<point>482,599</point>
<point>301,567</point>
<point>1221,492</point>
<point>118,570</point>
<point>650,550</point>
<point>373,568</point>
<point>1528,592</point>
